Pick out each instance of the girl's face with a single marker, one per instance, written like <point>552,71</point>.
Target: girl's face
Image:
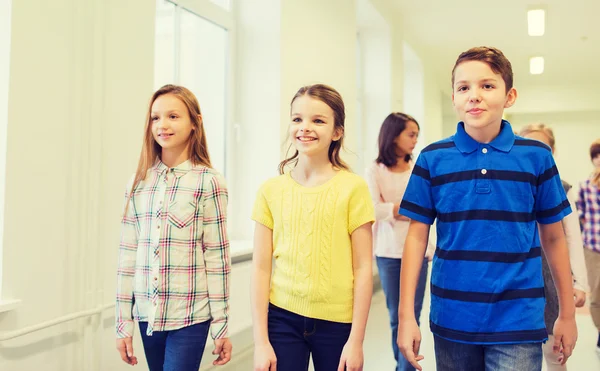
<point>313,126</point>
<point>596,161</point>
<point>171,124</point>
<point>407,140</point>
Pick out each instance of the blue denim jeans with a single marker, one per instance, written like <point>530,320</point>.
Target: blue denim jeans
<point>389,274</point>
<point>177,350</point>
<point>453,356</point>
<point>294,338</point>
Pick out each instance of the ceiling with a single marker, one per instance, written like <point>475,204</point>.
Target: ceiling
<point>441,29</point>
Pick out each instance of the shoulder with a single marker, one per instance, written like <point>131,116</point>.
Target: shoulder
<point>531,147</point>
<point>274,183</point>
<point>439,145</point>
<point>352,183</point>
<point>209,178</point>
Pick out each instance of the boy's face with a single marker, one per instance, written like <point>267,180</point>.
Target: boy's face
<point>479,96</point>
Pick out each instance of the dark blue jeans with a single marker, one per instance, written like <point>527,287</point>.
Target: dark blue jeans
<point>453,356</point>
<point>389,274</point>
<point>177,350</point>
<point>294,338</point>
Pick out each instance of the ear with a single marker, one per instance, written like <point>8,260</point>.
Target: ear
<point>511,97</point>
<point>453,99</point>
<point>200,122</point>
<point>338,133</point>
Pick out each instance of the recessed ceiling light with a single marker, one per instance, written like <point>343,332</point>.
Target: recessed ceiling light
<point>536,65</point>
<point>536,19</point>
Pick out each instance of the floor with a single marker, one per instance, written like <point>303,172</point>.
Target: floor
<point>379,356</point>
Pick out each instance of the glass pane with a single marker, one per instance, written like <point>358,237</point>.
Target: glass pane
<point>203,70</point>
<point>164,47</point>
<point>225,4</point>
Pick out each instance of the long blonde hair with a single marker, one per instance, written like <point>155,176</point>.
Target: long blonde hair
<point>333,99</point>
<point>151,150</point>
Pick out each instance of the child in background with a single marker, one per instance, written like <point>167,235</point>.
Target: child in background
<point>315,223</point>
<point>387,178</point>
<point>174,265</point>
<point>588,204</point>
<point>570,223</point>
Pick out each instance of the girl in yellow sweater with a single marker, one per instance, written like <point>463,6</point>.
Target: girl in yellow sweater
<point>315,222</point>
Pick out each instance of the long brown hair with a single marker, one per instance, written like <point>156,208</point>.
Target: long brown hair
<point>151,150</point>
<point>393,125</point>
<point>333,99</point>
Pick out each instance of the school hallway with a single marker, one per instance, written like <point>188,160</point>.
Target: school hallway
<point>379,356</point>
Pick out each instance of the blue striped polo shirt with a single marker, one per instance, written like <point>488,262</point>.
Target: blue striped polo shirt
<point>486,280</point>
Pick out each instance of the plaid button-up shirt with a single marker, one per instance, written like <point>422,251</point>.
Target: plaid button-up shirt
<point>174,262</point>
<point>588,204</point>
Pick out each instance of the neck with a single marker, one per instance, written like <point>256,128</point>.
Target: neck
<point>174,157</point>
<point>308,166</point>
<point>485,134</point>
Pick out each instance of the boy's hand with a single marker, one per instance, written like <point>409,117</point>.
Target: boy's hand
<point>352,358</point>
<point>409,341</point>
<point>223,348</point>
<point>565,337</point>
<point>579,298</point>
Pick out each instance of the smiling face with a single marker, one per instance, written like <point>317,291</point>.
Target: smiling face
<point>479,97</point>
<point>312,129</point>
<point>171,124</point>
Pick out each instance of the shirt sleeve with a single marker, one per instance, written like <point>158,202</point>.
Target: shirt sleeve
<point>575,245</point>
<point>261,212</point>
<point>551,204</point>
<point>383,210</point>
<point>581,201</point>
<point>360,207</point>
<point>215,244</point>
<point>417,202</point>
<point>126,267</point>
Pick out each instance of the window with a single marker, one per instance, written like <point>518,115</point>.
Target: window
<point>5,16</point>
<point>193,51</point>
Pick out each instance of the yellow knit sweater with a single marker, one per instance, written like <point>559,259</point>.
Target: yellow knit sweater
<point>313,273</point>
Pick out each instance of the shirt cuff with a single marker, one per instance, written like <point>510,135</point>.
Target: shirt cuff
<point>125,329</point>
<point>219,330</point>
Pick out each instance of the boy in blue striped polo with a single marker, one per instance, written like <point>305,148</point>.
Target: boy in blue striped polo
<point>487,188</point>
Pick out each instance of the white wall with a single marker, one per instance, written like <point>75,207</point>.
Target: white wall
<point>574,133</point>
<point>81,75</point>
<point>318,46</point>
<point>5,16</point>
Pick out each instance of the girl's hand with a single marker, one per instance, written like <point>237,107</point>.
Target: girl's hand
<point>125,348</point>
<point>223,348</point>
<point>565,337</point>
<point>264,358</point>
<point>352,358</point>
<point>579,298</point>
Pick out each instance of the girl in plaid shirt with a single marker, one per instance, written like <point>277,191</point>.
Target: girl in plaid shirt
<point>174,265</point>
<point>588,205</point>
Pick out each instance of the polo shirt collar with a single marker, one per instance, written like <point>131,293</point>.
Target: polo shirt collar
<point>503,142</point>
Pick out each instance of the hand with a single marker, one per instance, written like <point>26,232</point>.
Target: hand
<point>565,337</point>
<point>579,298</point>
<point>125,348</point>
<point>409,342</point>
<point>264,358</point>
<point>223,349</point>
<point>352,358</point>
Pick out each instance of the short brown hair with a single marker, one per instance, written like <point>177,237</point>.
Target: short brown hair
<point>493,57</point>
